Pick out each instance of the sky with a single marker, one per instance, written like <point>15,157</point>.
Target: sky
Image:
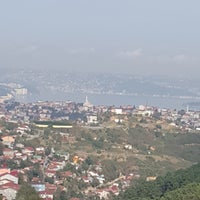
<point>145,37</point>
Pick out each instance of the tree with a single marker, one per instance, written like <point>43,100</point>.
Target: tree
<point>48,151</point>
<point>49,180</point>
<point>1,149</point>
<point>190,191</point>
<point>89,160</point>
<point>182,184</point>
<point>181,112</point>
<point>11,164</point>
<point>60,195</point>
<point>156,115</point>
<point>110,169</point>
<point>26,192</point>
<point>35,172</point>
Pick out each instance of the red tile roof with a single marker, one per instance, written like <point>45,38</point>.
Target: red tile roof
<point>10,185</point>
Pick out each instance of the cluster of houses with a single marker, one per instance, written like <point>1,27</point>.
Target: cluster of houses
<point>52,173</point>
<point>52,168</point>
<point>44,111</point>
<point>185,120</point>
<point>8,183</point>
<point>88,114</point>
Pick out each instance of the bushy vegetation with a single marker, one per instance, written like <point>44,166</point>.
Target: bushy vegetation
<point>26,192</point>
<point>190,191</point>
<point>51,123</point>
<point>182,184</point>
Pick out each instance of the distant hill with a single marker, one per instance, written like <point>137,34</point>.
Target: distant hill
<point>47,85</point>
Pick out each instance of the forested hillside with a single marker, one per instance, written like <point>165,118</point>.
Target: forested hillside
<point>182,184</point>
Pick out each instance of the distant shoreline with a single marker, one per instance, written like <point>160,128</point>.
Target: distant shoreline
<point>170,102</point>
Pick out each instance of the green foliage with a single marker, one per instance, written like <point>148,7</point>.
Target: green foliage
<point>181,112</point>
<point>110,169</point>
<point>1,149</point>
<point>114,135</point>
<point>89,160</point>
<point>26,192</point>
<point>158,126</point>
<point>35,172</point>
<point>25,163</point>
<point>11,164</point>
<point>47,133</point>
<point>32,143</point>
<point>86,135</point>
<point>163,186</point>
<point>10,126</point>
<point>49,180</point>
<point>186,146</point>
<point>51,123</point>
<point>63,195</point>
<point>69,167</point>
<point>188,192</point>
<point>47,151</point>
<point>156,115</point>
<point>97,144</point>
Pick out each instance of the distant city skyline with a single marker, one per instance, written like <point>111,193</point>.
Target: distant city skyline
<point>137,37</point>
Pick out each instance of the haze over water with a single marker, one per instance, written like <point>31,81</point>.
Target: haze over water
<point>116,100</point>
<point>147,38</point>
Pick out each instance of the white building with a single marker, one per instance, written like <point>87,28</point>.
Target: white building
<point>21,91</point>
<point>92,119</point>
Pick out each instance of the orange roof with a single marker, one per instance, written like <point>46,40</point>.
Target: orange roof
<point>8,139</point>
<point>4,170</point>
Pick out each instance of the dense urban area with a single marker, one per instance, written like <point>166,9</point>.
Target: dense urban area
<point>67,150</point>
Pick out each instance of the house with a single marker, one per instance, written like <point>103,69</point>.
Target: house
<point>56,166</point>
<point>9,190</point>
<point>51,187</point>
<point>128,147</point>
<point>23,129</point>
<point>40,150</point>
<point>151,178</point>
<point>20,156</point>
<point>117,111</point>
<point>66,174</point>
<point>35,180</point>
<point>114,189</point>
<point>28,151</point>
<point>47,194</point>
<point>4,170</point>
<point>50,173</point>
<point>103,194</point>
<point>8,153</point>
<point>39,187</point>
<point>12,176</point>
<point>92,119</point>
<point>8,141</point>
<point>85,179</point>
<point>19,145</point>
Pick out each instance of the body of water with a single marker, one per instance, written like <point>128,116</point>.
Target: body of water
<point>117,100</point>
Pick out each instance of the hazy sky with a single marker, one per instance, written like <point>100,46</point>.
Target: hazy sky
<point>148,37</point>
